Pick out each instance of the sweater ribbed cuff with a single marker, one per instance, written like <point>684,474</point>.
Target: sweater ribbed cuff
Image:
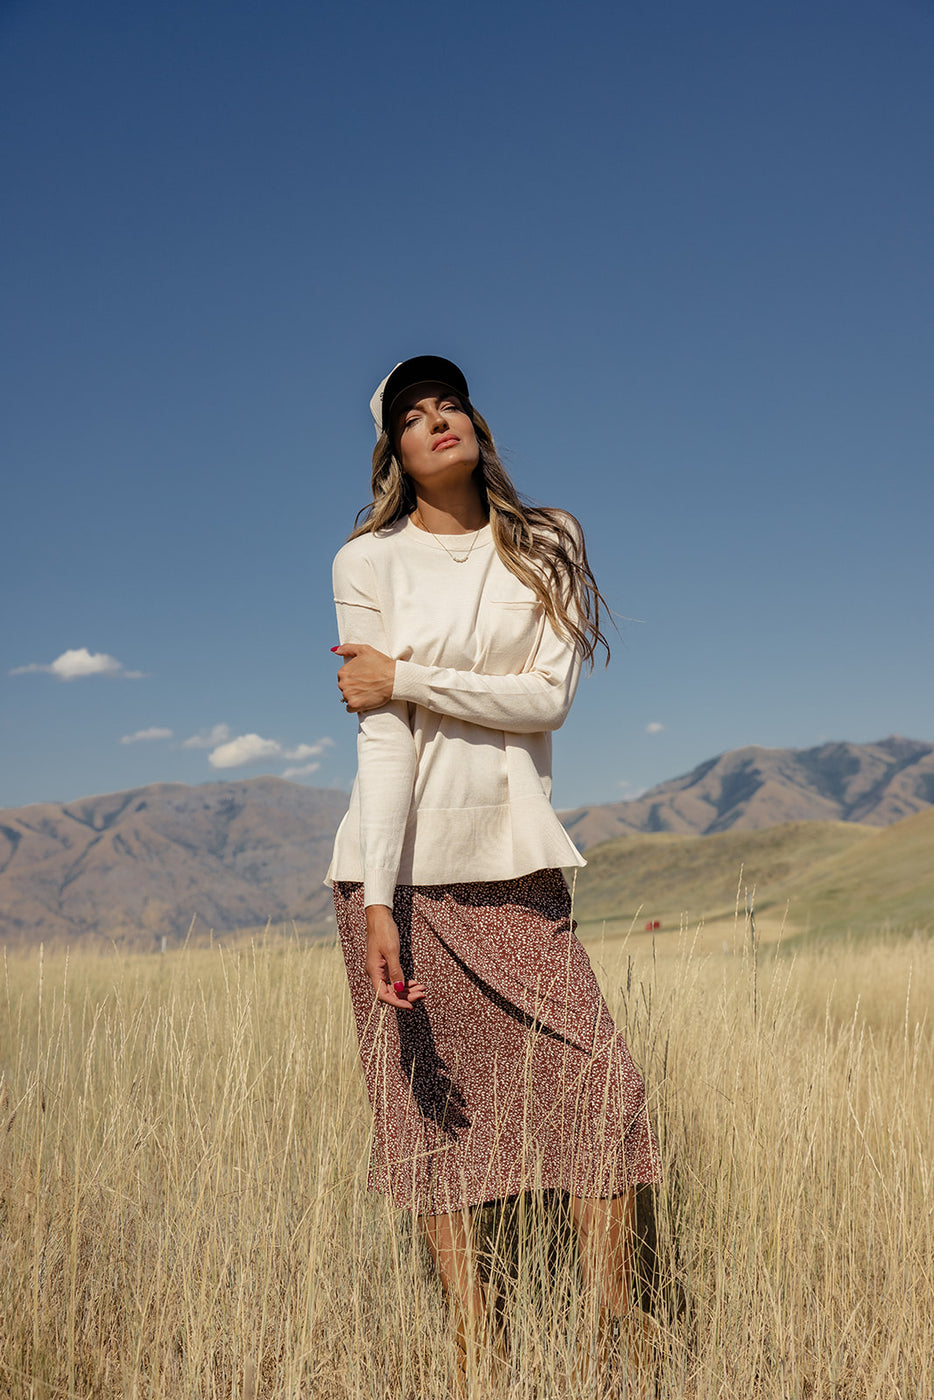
<point>379,886</point>
<point>411,682</point>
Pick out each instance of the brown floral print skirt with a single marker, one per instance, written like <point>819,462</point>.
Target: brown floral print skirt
<point>510,1075</point>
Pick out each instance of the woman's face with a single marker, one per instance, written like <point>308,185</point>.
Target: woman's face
<point>434,437</point>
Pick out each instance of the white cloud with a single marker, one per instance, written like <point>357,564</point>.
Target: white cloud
<point>79,662</point>
<point>304,770</point>
<point>208,738</point>
<point>654,727</point>
<point>630,793</point>
<point>234,751</point>
<point>635,794</point>
<point>306,751</point>
<point>303,751</point>
<point>246,748</point>
<point>142,735</point>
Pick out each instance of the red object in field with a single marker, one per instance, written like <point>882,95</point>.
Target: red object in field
<point>657,923</point>
<point>648,927</point>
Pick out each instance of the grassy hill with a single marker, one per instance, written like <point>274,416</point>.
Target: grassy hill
<point>886,882</point>
<point>817,877</point>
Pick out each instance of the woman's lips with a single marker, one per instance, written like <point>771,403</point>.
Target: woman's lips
<point>449,440</point>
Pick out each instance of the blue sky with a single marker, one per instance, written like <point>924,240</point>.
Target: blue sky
<point>682,253</point>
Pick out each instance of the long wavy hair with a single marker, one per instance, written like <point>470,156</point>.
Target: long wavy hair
<point>543,547</point>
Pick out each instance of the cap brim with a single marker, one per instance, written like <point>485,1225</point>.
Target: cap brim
<point>423,369</point>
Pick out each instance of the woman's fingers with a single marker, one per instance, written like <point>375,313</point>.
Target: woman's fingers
<point>394,968</point>
<point>366,677</point>
<point>403,1001</point>
<point>396,990</point>
<point>348,651</point>
<point>393,991</point>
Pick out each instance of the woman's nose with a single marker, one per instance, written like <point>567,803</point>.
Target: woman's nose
<point>438,420</point>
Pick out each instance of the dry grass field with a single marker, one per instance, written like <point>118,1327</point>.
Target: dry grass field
<point>183,1213</point>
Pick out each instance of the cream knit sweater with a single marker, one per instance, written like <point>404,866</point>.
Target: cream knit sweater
<point>454,774</point>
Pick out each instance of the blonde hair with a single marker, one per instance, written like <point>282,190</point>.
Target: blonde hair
<point>543,547</point>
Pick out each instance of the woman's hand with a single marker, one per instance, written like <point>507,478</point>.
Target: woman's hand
<point>382,960</point>
<point>366,677</point>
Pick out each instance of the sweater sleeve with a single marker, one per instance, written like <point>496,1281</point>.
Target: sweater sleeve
<point>385,745</point>
<point>533,701</point>
<point>536,700</point>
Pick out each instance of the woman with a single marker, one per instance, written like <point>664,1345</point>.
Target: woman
<point>491,1060</point>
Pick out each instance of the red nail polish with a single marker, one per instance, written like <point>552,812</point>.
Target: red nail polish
<point>399,988</point>
<point>335,648</point>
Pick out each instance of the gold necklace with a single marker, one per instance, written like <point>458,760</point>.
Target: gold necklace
<point>458,558</point>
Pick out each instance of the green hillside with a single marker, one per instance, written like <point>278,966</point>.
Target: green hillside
<point>830,876</point>
<point>887,881</point>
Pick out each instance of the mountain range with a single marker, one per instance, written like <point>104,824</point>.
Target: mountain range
<point>751,788</point>
<point>133,866</point>
<point>136,866</point>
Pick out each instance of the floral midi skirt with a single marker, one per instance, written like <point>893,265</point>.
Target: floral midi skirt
<point>510,1075</point>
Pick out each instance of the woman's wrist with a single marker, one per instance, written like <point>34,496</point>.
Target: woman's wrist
<point>376,915</point>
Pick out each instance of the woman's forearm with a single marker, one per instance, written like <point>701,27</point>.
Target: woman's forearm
<point>529,703</point>
<point>385,762</point>
<point>385,779</point>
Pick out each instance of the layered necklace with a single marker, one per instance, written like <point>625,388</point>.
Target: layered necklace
<point>457,556</point>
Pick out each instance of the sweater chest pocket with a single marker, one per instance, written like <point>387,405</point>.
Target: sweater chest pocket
<point>512,631</point>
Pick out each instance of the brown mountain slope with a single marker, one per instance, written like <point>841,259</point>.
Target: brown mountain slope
<point>752,788</point>
<point>134,865</point>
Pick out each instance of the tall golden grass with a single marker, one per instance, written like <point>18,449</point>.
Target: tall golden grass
<point>183,1210</point>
